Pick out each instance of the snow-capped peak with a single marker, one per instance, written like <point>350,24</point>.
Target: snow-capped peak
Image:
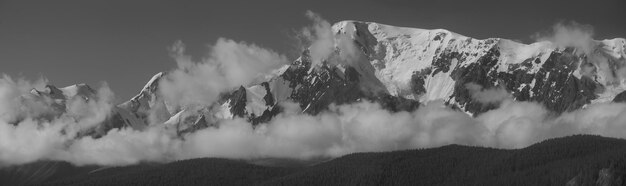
<point>407,65</point>
<point>154,81</point>
<point>398,53</point>
<point>148,103</point>
<point>78,89</point>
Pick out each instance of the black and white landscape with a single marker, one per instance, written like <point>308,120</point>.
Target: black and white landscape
<point>359,103</point>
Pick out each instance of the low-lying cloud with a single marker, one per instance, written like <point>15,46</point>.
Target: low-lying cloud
<point>343,129</point>
<point>489,95</point>
<point>34,127</point>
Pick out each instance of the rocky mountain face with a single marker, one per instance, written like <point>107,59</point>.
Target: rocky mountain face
<point>403,67</point>
<point>426,65</point>
<point>147,101</point>
<point>400,68</point>
<point>66,103</point>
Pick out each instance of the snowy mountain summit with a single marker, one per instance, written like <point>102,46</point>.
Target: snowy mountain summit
<point>427,65</point>
<point>402,68</point>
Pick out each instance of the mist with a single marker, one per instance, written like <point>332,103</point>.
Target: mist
<point>490,95</point>
<point>343,129</point>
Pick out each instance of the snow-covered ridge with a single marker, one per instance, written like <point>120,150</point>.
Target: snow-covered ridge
<point>398,52</point>
<point>151,86</point>
<point>398,65</point>
<point>148,102</point>
<point>409,63</point>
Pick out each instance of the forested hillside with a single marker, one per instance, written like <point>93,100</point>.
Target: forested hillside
<point>574,160</point>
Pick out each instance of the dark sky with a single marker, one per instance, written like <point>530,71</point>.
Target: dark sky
<point>124,42</point>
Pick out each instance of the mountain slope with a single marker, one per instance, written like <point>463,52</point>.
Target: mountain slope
<point>575,160</point>
<point>402,67</point>
<point>438,64</point>
<point>51,103</point>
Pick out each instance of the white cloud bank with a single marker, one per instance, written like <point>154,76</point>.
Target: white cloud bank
<point>344,129</point>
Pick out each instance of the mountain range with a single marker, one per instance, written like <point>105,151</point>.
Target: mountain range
<point>400,69</point>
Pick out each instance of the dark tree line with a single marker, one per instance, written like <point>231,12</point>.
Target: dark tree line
<point>576,159</point>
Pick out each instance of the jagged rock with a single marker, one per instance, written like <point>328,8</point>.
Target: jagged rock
<point>403,67</point>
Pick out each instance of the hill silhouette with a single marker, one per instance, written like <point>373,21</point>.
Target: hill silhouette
<point>573,160</point>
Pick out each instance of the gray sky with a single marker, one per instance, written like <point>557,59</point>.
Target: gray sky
<point>124,42</point>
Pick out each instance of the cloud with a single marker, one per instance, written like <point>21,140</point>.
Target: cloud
<point>320,38</point>
<point>599,63</point>
<point>122,147</point>
<point>343,129</point>
<point>516,124</point>
<point>326,46</point>
<point>28,141</point>
<point>91,112</point>
<point>27,134</point>
<point>570,34</point>
<point>485,96</point>
<point>12,107</point>
<point>229,64</point>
